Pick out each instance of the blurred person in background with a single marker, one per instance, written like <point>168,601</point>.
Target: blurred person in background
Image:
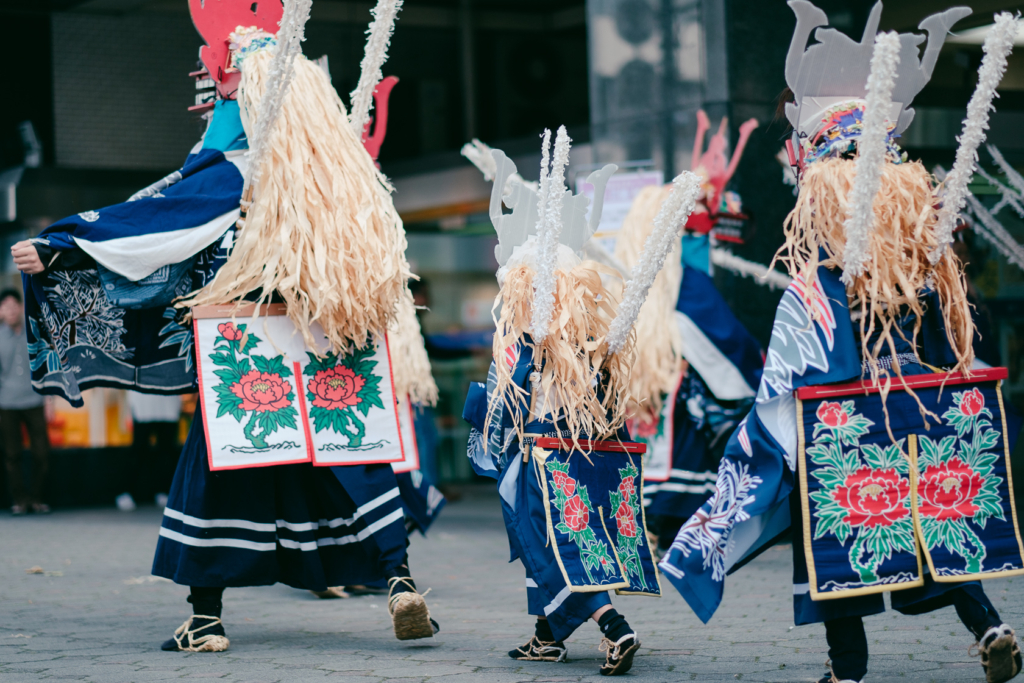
<point>20,406</point>
<point>155,448</point>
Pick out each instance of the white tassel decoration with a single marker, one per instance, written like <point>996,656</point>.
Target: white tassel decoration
<point>377,41</point>
<point>282,68</point>
<point>998,45</point>
<point>773,279</point>
<point>860,217</point>
<point>667,225</point>
<point>552,188</point>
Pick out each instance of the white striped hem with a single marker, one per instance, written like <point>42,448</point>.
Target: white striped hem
<point>557,602</point>
<point>217,542</point>
<point>281,523</point>
<point>306,546</point>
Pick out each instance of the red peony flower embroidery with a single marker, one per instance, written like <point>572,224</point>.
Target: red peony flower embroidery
<point>832,414</point>
<point>336,388</point>
<point>972,402</point>
<point>645,427</point>
<point>627,488</point>
<point>229,331</point>
<point>576,514</point>
<point>625,520</point>
<point>873,497</point>
<point>564,483</point>
<point>947,491</point>
<point>263,392</point>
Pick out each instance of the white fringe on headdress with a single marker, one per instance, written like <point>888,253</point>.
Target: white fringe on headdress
<point>410,366</point>
<point>669,221</point>
<point>998,45</point>
<point>871,149</point>
<point>762,275</point>
<point>552,188</point>
<point>279,78</point>
<point>377,41</point>
<point>322,232</point>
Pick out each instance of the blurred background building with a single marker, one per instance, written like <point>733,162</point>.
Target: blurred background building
<point>96,103</point>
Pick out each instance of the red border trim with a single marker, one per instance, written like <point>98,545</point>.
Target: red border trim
<point>398,428</point>
<point>611,446</point>
<point>912,381</point>
<point>415,445</point>
<point>297,370</point>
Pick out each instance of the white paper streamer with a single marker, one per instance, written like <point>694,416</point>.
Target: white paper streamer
<point>773,279</point>
<point>667,224</point>
<point>860,217</point>
<point>552,187</point>
<point>377,41</point>
<point>985,223</point>
<point>279,77</point>
<point>998,45</point>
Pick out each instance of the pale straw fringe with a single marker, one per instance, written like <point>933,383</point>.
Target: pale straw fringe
<point>281,72</point>
<point>573,355</point>
<point>659,357</point>
<point>410,365</point>
<point>898,268</point>
<point>322,231</point>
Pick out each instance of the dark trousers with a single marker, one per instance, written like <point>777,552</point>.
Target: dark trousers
<point>34,420</point>
<point>848,645</point>
<point>155,452</point>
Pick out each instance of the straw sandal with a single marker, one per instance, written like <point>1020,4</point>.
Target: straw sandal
<point>999,652</point>
<point>409,613</point>
<point>618,654</point>
<point>332,593</point>
<point>187,639</point>
<point>538,650</point>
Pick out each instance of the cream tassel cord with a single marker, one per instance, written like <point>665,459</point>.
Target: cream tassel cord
<point>321,231</point>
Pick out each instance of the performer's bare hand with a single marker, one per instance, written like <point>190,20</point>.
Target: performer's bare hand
<point>26,258</point>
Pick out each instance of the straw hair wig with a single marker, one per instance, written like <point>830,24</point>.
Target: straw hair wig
<point>579,382</point>
<point>898,271</point>
<point>321,231</point>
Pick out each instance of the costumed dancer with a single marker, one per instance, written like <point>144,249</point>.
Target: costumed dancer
<point>694,380</point>
<point>320,235</point>
<point>549,423</point>
<point>869,430</point>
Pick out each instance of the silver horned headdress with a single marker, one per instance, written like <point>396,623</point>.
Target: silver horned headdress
<point>515,228</point>
<point>835,69</point>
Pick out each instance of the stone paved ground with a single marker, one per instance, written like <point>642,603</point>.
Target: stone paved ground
<point>97,615</point>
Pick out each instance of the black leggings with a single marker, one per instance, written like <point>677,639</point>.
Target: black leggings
<point>848,644</point>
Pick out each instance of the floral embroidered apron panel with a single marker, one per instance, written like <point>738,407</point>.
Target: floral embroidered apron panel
<point>595,518</point>
<point>877,507</point>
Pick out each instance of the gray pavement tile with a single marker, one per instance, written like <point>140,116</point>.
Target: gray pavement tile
<point>90,625</point>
